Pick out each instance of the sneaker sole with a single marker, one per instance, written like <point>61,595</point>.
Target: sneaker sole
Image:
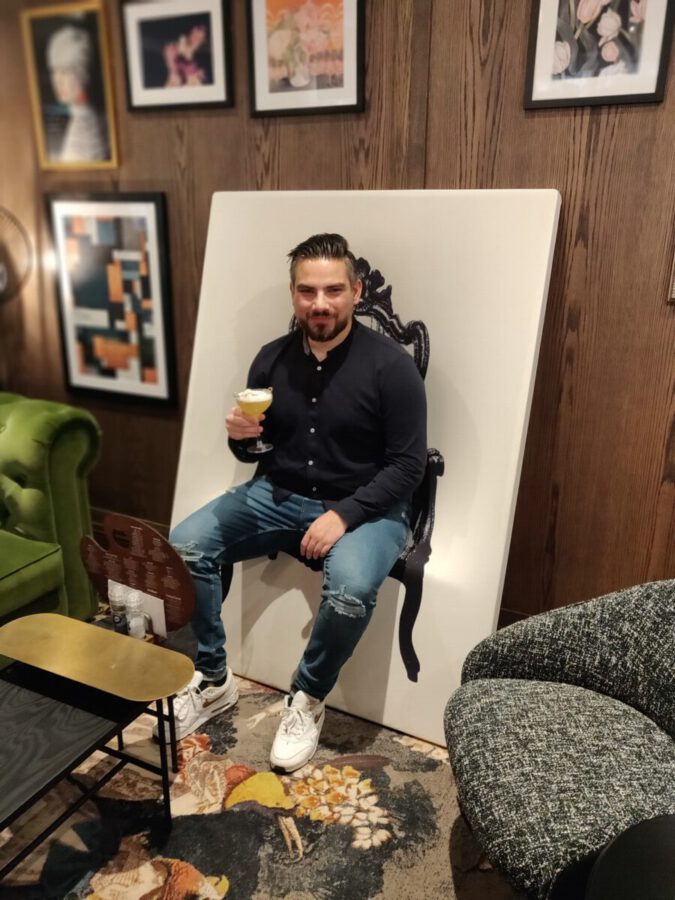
<point>208,713</point>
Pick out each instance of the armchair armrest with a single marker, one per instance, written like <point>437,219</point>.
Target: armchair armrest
<point>46,452</point>
<point>621,645</point>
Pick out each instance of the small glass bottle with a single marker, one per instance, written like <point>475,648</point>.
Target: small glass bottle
<point>118,611</point>
<point>135,614</point>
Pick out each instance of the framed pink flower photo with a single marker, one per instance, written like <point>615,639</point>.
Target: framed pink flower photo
<point>591,52</point>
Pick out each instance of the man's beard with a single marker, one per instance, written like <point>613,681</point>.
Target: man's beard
<point>323,333</point>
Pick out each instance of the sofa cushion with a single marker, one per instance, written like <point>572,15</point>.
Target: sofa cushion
<point>28,570</point>
<point>547,773</point>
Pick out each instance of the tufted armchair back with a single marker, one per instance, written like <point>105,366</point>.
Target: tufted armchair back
<point>46,452</point>
<point>621,645</point>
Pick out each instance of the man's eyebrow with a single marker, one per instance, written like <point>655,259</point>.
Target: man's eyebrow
<point>301,286</point>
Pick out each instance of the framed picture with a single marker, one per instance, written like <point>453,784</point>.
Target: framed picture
<point>598,51</point>
<point>306,56</point>
<point>113,290</point>
<point>177,53</point>
<point>66,51</point>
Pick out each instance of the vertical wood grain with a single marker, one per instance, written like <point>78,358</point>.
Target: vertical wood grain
<point>595,508</point>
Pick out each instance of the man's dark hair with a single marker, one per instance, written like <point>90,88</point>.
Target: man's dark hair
<point>324,246</point>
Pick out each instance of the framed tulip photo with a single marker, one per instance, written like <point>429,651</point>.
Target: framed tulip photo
<point>592,52</point>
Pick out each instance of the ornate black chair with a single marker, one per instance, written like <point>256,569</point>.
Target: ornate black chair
<point>376,306</point>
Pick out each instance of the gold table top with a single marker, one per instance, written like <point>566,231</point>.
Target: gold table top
<point>99,658</point>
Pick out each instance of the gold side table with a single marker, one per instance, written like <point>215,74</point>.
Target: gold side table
<point>73,688</point>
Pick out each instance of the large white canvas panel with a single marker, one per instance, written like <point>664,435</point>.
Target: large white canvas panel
<point>475,267</point>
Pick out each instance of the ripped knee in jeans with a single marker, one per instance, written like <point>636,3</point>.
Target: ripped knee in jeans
<point>345,604</point>
<point>188,551</point>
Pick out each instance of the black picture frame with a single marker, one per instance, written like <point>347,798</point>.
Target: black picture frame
<point>177,53</point>
<point>113,294</point>
<point>311,61</point>
<point>617,52</point>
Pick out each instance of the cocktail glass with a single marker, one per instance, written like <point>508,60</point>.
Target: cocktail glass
<point>254,402</point>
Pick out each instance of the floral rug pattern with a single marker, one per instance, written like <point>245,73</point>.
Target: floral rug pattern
<point>370,816</point>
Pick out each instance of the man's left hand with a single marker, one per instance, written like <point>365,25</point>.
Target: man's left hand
<point>322,534</point>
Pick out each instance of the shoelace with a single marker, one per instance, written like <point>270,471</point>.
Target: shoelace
<point>294,721</point>
<point>184,701</point>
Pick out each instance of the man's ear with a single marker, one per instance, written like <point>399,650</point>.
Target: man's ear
<point>358,289</point>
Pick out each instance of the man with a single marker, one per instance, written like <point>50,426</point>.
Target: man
<point>348,429</point>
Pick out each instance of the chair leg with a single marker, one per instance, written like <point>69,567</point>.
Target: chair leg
<point>413,578</point>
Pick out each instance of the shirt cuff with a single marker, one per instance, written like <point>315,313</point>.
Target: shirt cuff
<point>347,509</point>
<point>240,450</point>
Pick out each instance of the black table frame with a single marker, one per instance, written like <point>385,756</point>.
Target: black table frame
<point>124,712</point>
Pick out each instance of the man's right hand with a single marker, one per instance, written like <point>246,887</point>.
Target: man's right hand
<point>240,426</point>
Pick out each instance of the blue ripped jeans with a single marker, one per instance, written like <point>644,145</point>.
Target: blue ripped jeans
<point>245,523</point>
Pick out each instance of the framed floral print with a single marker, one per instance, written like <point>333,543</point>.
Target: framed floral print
<point>598,51</point>
<point>306,56</point>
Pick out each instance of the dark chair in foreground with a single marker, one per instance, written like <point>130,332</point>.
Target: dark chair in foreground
<point>562,734</point>
<point>46,452</point>
<point>376,306</point>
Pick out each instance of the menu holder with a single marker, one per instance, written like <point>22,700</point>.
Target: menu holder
<point>130,552</point>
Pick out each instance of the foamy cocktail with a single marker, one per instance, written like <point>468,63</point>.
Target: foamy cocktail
<point>254,402</point>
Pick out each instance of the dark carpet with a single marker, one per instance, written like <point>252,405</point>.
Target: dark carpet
<point>374,815</point>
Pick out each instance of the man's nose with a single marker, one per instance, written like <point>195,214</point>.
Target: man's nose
<point>320,301</point>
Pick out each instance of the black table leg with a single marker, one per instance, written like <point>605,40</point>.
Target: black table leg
<point>172,734</point>
<point>164,763</point>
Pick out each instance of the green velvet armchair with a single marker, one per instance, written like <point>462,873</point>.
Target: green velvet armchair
<point>46,452</point>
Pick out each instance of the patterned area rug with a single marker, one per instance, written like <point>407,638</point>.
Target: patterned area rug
<point>374,815</point>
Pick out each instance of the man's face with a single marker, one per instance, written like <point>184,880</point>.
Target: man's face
<point>323,298</point>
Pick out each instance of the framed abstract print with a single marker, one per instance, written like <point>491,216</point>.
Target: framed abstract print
<point>113,294</point>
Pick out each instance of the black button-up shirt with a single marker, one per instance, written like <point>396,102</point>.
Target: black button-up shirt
<point>350,430</point>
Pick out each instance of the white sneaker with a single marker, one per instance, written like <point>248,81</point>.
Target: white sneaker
<point>298,735</point>
<point>196,704</point>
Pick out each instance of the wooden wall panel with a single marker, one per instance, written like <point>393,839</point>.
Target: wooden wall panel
<point>444,84</point>
<point>595,508</point>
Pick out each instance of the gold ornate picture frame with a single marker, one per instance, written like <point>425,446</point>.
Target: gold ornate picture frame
<point>67,57</point>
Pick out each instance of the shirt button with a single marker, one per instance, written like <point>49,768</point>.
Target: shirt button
<point>312,430</point>
<point>314,490</point>
<point>318,368</point>
<point>311,462</point>
<point>313,399</point>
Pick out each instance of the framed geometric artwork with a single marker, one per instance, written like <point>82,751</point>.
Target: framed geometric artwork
<point>306,56</point>
<point>177,53</point>
<point>591,52</point>
<point>113,294</point>
<point>66,50</point>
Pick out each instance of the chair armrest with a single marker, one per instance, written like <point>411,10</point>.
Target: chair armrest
<point>621,645</point>
<point>424,508</point>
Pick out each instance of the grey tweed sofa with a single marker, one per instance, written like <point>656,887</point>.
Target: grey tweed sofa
<point>562,733</point>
